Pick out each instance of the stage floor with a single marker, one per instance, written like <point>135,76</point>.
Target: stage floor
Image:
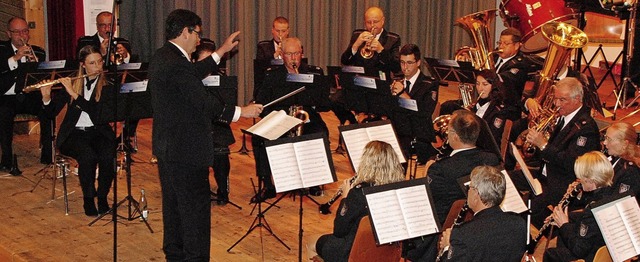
<point>35,227</point>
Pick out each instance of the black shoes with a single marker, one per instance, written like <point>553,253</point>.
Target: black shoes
<point>315,191</point>
<point>263,195</point>
<point>5,168</point>
<point>90,207</point>
<point>103,206</point>
<point>222,198</point>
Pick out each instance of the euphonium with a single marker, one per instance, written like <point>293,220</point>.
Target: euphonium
<point>298,112</point>
<point>477,24</point>
<point>563,38</point>
<point>366,51</point>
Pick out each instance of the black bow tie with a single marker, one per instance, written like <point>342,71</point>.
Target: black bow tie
<point>89,82</point>
<point>483,101</point>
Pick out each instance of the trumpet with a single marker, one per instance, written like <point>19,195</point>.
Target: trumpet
<point>31,88</point>
<point>366,51</point>
<point>325,208</point>
<point>32,56</point>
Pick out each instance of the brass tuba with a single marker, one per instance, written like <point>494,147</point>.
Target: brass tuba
<point>563,38</point>
<point>477,24</point>
<point>298,112</point>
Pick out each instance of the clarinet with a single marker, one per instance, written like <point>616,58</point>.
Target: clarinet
<point>564,202</point>
<point>456,222</point>
<point>325,208</point>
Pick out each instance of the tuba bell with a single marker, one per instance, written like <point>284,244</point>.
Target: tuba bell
<point>298,112</point>
<point>563,39</point>
<point>477,25</point>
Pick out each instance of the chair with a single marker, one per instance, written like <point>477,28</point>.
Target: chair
<point>504,141</point>
<point>602,255</point>
<point>454,211</point>
<point>365,249</point>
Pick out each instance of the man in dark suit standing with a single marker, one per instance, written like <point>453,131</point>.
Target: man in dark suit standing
<point>384,45</point>
<point>575,133</point>
<point>183,113</point>
<point>14,53</point>
<point>272,49</point>
<point>424,90</point>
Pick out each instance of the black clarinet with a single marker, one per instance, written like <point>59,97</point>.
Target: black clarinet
<point>325,208</point>
<point>564,202</point>
<point>456,222</point>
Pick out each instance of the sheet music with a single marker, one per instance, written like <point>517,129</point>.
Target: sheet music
<point>618,220</point>
<point>284,167</point>
<point>386,214</point>
<point>419,218</point>
<point>355,140</point>
<point>385,133</point>
<point>274,125</point>
<point>313,163</point>
<point>533,182</point>
<point>512,201</point>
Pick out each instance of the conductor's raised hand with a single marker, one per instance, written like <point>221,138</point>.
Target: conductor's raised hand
<point>251,110</point>
<point>228,44</point>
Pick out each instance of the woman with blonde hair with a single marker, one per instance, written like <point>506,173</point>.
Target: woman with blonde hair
<point>379,165</point>
<point>580,237</point>
<point>620,142</point>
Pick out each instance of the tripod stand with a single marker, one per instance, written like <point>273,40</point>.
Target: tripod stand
<point>45,170</point>
<point>133,206</point>
<point>629,47</point>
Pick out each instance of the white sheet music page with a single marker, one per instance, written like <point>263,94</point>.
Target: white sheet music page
<point>313,162</point>
<point>617,230</point>
<point>512,201</point>
<point>418,214</point>
<point>387,217</point>
<point>274,125</point>
<point>533,182</point>
<point>385,133</point>
<point>355,140</point>
<point>284,167</point>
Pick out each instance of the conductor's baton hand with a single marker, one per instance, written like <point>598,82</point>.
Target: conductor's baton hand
<point>251,110</point>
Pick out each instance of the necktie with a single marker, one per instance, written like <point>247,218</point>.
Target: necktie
<point>407,86</point>
<point>89,82</point>
<point>499,64</point>
<point>558,128</point>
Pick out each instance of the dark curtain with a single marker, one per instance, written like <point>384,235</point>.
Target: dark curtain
<point>61,29</point>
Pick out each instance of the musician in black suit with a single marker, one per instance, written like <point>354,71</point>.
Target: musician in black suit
<point>621,144</point>
<point>579,236</point>
<point>462,133</point>
<point>82,134</point>
<point>492,235</point>
<point>224,136</point>
<point>275,86</point>
<point>513,66</point>
<point>14,53</point>
<point>424,90</point>
<point>272,49</point>
<point>383,44</point>
<point>183,112</point>
<point>575,133</point>
<point>101,40</point>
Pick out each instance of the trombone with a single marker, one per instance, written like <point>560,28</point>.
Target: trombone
<point>31,88</point>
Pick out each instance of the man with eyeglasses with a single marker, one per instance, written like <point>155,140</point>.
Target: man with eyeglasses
<point>183,114</point>
<point>384,45</point>
<point>463,131</point>
<point>512,65</point>
<point>100,39</point>
<point>278,81</point>
<point>14,53</point>
<point>423,90</point>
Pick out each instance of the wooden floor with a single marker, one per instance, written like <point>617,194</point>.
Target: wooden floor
<point>35,228</point>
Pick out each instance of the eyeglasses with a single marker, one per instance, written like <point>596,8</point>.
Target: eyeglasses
<point>503,43</point>
<point>199,33</point>
<point>104,25</point>
<point>407,62</point>
<point>292,53</point>
<point>17,32</point>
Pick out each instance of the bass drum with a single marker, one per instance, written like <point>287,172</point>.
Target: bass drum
<point>528,16</point>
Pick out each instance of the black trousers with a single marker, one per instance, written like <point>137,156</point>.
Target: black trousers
<point>221,169</point>
<point>92,149</point>
<point>10,105</point>
<point>186,211</point>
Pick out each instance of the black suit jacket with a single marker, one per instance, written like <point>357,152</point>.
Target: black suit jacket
<point>265,50</point>
<point>515,73</point>
<point>9,77</point>
<point>626,177</point>
<point>443,175</point>
<point>94,40</point>
<point>579,136</point>
<point>496,117</point>
<point>183,110</point>
<point>492,235</point>
<point>74,109</point>
<point>387,61</point>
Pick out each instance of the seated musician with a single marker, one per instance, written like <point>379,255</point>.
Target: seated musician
<point>621,144</point>
<point>490,106</point>
<point>579,236</point>
<point>379,165</point>
<point>575,133</point>
<point>492,235</point>
<point>81,136</point>
<point>463,131</point>
<point>424,90</point>
<point>223,138</point>
<point>272,49</point>
<point>275,86</point>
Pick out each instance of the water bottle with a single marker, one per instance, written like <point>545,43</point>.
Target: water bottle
<point>144,212</point>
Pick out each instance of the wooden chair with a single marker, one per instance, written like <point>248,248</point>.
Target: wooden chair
<point>454,211</point>
<point>602,255</point>
<point>365,249</point>
<point>504,141</point>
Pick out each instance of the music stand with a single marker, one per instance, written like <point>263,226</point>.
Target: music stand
<point>451,70</point>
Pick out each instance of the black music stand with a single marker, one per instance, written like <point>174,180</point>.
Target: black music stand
<point>133,102</point>
<point>450,70</point>
<point>369,95</point>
